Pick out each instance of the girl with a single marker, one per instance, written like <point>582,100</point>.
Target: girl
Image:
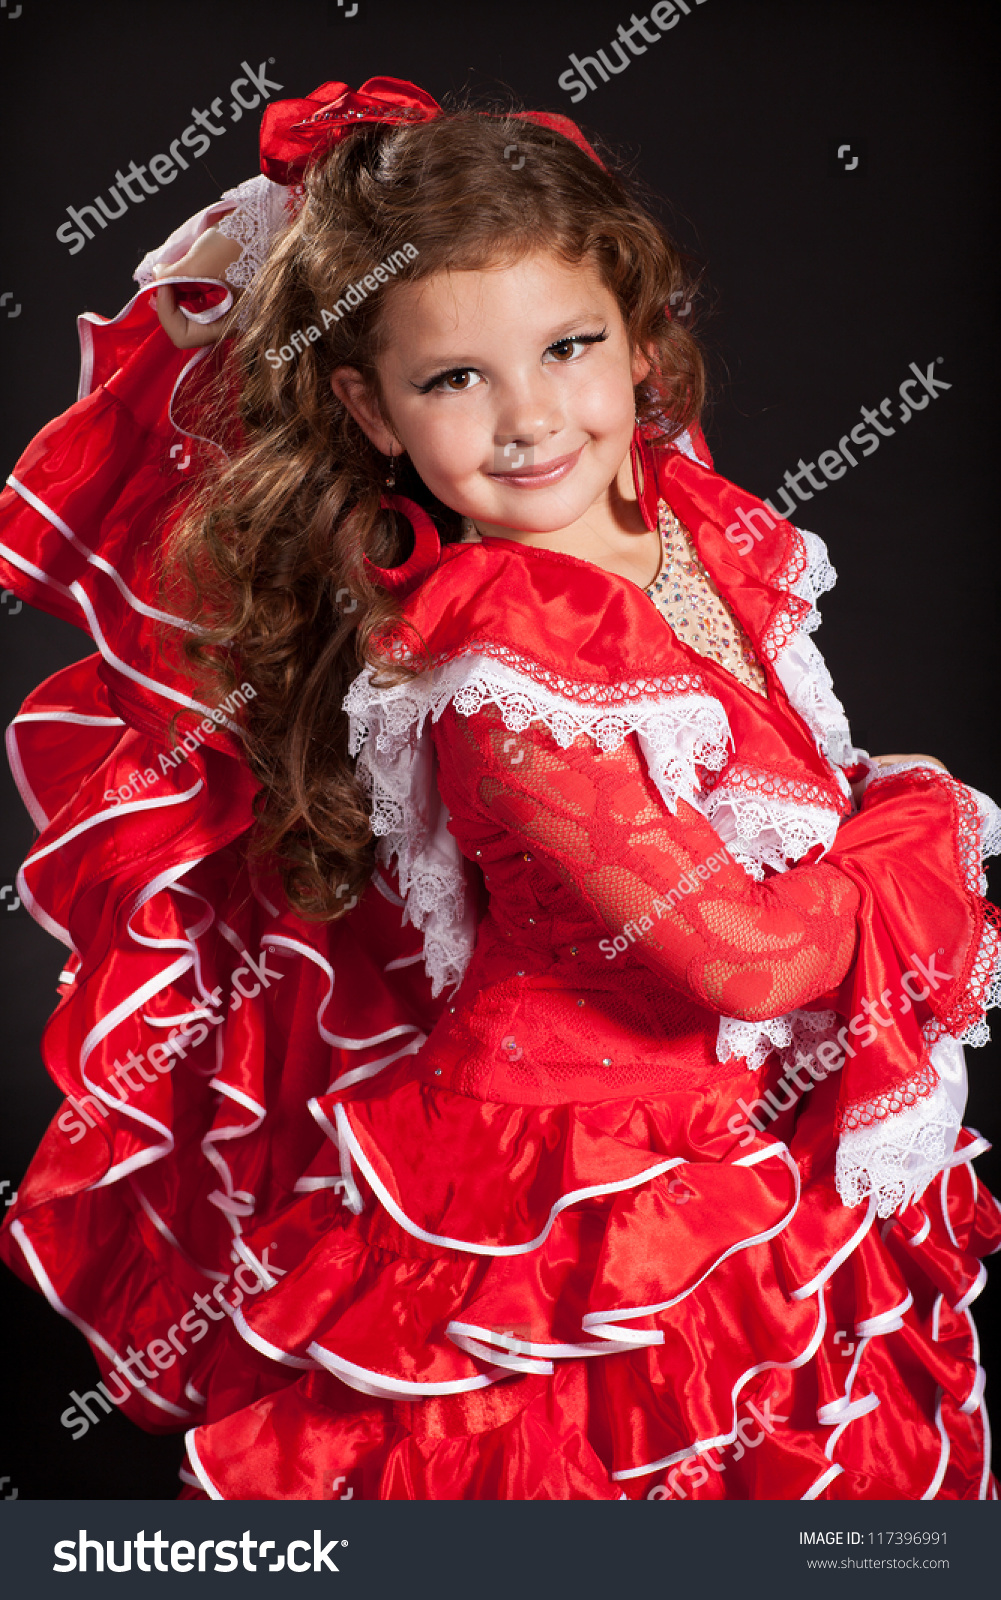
<point>555,1023</point>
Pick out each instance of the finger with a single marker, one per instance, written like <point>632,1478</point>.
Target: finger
<point>171,321</point>
<point>889,761</point>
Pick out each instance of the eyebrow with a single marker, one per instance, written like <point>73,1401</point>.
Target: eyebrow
<point>562,331</point>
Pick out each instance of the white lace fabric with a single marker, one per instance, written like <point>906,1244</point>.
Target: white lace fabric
<point>259,213</point>
<point>762,832</point>
<point>896,1159</point>
<point>679,732</point>
<point>819,577</point>
<point>755,1041</point>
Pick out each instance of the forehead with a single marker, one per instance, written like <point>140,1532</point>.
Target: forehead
<point>526,296</point>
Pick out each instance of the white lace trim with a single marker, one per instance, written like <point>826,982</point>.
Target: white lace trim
<point>802,670</point>
<point>396,768</point>
<point>895,1160</point>
<point>978,1033</point>
<point>678,728</point>
<point>755,1041</point>
<point>676,733</point>
<point>260,211</point>
<point>818,578</point>
<point>252,214</point>
<point>803,674</point>
<point>894,1157</point>
<point>764,832</point>
<point>990,823</point>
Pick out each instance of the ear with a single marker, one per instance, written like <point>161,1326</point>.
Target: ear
<point>354,393</point>
<point>641,365</point>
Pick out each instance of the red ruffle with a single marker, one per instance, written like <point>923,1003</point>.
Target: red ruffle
<point>742,1298</point>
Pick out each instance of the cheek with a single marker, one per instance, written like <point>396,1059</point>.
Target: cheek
<point>604,403</point>
<point>445,440</point>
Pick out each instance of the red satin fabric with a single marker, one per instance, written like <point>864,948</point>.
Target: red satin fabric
<point>295,132</point>
<point>599,1278</point>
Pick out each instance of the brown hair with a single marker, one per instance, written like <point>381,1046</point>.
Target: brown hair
<point>273,543</point>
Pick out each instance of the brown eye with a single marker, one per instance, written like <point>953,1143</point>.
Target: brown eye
<point>457,381</point>
<point>563,349</point>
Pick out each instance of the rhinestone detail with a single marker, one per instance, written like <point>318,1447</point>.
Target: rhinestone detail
<point>693,609</point>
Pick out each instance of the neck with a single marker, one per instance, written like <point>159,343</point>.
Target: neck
<point>611,533</point>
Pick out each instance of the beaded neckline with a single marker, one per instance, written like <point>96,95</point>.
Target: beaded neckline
<point>690,603</point>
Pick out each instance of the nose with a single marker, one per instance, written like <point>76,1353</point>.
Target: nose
<point>528,415</point>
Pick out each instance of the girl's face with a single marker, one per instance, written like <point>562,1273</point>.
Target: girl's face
<point>510,388</point>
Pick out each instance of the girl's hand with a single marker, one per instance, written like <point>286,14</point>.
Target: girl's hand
<point>208,257</point>
<point>858,787</point>
<point>890,761</point>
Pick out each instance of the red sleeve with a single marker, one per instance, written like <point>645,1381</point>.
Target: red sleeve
<point>744,949</point>
<point>894,916</point>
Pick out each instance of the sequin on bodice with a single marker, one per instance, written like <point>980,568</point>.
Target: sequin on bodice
<point>690,603</point>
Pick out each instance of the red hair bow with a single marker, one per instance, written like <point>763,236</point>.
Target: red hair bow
<point>294,132</point>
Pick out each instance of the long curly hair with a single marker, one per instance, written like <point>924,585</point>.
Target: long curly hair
<point>269,551</point>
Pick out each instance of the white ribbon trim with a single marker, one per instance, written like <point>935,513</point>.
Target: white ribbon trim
<point>97,561</point>
<point>382,1387</point>
<point>47,1287</point>
<point>700,1446</point>
<point>468,1334</point>
<point>603,1323</point>
<point>345,1138</point>
<point>839,1256</point>
<point>816,1489</point>
<point>197,1468</point>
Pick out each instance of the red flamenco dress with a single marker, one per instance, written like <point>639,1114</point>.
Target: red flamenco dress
<point>610,1147</point>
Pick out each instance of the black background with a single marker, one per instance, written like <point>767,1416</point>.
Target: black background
<point>826,285</point>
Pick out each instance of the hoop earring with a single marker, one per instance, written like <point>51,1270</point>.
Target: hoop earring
<point>644,478</point>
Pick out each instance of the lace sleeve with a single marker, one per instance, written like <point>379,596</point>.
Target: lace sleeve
<point>745,949</point>
<point>261,211</point>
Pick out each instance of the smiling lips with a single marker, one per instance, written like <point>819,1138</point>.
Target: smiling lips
<point>539,476</point>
